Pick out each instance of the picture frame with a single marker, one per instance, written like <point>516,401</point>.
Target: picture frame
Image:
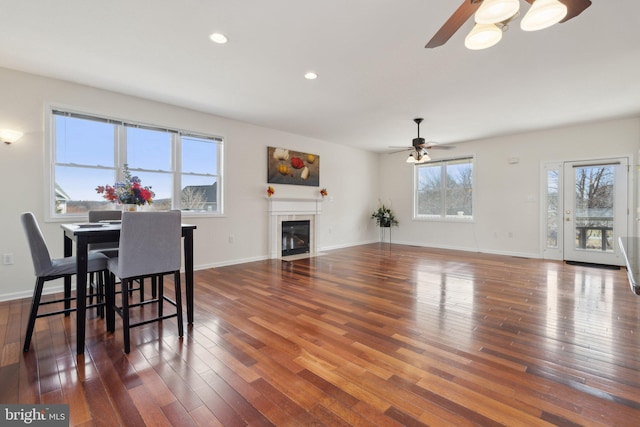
<point>286,166</point>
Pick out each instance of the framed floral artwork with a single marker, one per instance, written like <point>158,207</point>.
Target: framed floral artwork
<point>292,167</point>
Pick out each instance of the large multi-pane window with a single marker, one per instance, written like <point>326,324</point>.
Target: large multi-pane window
<point>444,189</point>
<point>183,169</point>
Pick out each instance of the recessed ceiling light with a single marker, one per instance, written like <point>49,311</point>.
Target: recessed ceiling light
<point>218,38</point>
<point>311,75</point>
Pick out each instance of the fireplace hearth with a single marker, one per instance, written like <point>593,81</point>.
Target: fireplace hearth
<point>295,237</point>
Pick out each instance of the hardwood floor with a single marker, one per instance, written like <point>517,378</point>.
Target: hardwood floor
<point>369,335</point>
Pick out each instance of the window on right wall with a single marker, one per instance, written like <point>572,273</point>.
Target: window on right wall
<point>444,189</point>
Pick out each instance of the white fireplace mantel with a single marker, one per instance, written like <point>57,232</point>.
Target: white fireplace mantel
<point>286,206</point>
<point>292,209</point>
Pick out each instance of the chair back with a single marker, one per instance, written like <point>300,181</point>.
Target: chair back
<point>37,245</point>
<point>97,216</point>
<point>149,243</point>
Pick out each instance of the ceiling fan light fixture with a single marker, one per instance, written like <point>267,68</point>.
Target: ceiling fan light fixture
<point>423,157</point>
<point>494,11</point>
<point>411,159</point>
<point>543,14</point>
<point>483,36</point>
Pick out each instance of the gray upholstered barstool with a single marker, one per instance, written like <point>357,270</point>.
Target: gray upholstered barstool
<point>96,287</point>
<point>150,245</point>
<point>47,269</point>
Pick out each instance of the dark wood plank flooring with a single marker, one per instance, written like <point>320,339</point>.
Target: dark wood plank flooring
<point>370,335</point>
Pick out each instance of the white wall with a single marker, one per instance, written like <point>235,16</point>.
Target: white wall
<point>503,191</point>
<point>352,186</point>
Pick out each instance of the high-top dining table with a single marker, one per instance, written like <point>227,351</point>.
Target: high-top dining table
<point>84,234</point>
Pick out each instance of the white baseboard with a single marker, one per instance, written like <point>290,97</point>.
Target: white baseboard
<point>478,250</point>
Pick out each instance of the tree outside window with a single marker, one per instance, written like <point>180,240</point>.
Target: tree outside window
<point>444,189</point>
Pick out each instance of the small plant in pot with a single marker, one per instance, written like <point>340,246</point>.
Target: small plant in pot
<point>384,216</point>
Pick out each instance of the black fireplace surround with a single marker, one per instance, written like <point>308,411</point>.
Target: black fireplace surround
<point>295,237</point>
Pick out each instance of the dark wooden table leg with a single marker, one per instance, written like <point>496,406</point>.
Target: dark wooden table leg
<point>81,292</point>
<point>188,270</point>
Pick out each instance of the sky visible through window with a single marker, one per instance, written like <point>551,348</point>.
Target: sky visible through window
<point>83,146</point>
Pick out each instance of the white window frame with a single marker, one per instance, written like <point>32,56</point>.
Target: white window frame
<point>120,159</point>
<point>443,216</point>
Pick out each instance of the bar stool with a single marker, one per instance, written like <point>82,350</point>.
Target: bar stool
<point>150,244</point>
<point>96,288</point>
<point>47,269</point>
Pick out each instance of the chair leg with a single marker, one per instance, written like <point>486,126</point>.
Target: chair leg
<point>154,287</point>
<point>178,303</point>
<point>67,296</point>
<point>90,290</point>
<point>125,316</point>
<point>160,295</point>
<point>100,285</point>
<point>110,296</point>
<point>141,289</point>
<point>35,303</point>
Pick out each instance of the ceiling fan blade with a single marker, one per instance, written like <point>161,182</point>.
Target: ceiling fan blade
<point>400,151</point>
<point>435,146</point>
<point>431,146</point>
<point>453,24</point>
<point>574,7</point>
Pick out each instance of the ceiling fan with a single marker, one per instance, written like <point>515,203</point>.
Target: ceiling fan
<point>510,7</point>
<point>419,147</point>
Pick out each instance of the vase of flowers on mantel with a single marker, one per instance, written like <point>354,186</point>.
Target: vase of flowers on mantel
<point>130,193</point>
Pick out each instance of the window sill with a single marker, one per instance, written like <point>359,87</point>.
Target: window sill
<point>450,219</point>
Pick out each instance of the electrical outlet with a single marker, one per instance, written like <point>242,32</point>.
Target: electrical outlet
<point>231,238</point>
<point>7,259</point>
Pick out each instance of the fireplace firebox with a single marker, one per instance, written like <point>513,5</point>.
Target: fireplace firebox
<point>295,237</point>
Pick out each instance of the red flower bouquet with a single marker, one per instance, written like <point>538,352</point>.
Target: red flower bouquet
<point>128,192</point>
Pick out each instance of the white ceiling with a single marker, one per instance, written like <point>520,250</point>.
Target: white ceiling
<point>375,74</point>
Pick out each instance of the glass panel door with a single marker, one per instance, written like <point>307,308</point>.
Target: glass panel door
<point>595,210</point>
